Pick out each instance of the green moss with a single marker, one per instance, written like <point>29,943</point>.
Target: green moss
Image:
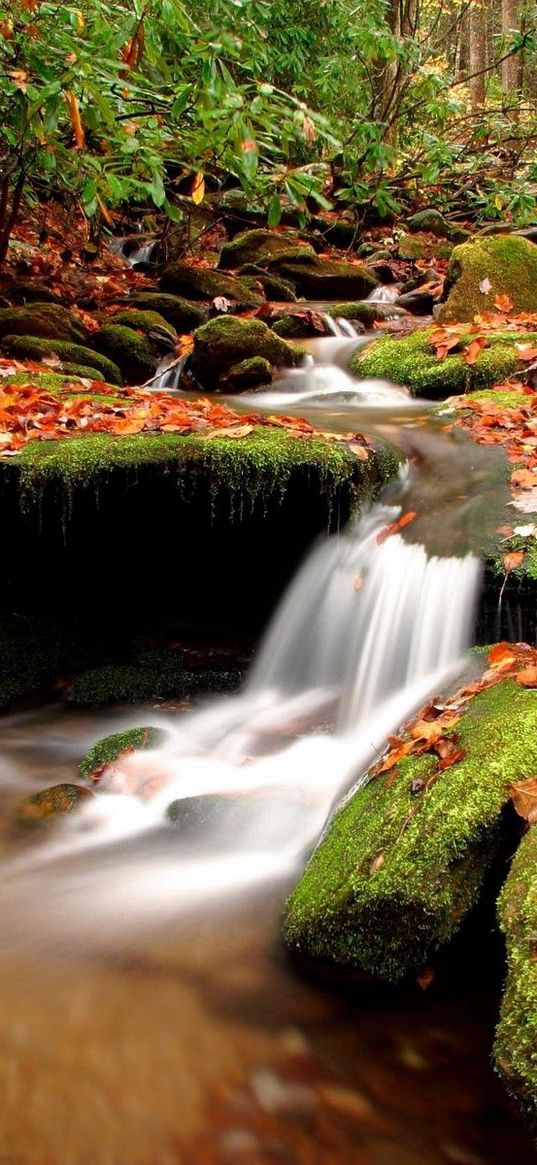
<point>248,374</point>
<point>46,320</point>
<point>35,349</point>
<point>366,313</point>
<point>135,355</point>
<point>51,803</point>
<point>205,283</point>
<point>410,360</point>
<point>258,245</point>
<point>181,313</point>
<point>434,223</point>
<point>412,247</point>
<point>509,263</point>
<point>139,682</point>
<point>227,340</point>
<point>296,327</point>
<point>151,323</point>
<point>401,865</point>
<point>62,383</point>
<point>325,278</point>
<point>515,1049</point>
<point>274,288</point>
<point>107,750</point>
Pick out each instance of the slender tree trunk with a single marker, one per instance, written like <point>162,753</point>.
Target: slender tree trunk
<point>478,52</point>
<point>512,66</point>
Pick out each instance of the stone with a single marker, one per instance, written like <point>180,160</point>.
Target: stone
<point>480,271</point>
<point>32,348</point>
<point>258,245</point>
<point>135,355</point>
<point>48,321</point>
<point>52,803</point>
<point>434,223</point>
<point>207,284</point>
<point>325,278</point>
<point>248,374</point>
<point>228,341</point>
<point>181,313</point>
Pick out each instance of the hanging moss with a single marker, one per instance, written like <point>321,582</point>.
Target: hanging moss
<point>402,864</point>
<point>515,1049</point>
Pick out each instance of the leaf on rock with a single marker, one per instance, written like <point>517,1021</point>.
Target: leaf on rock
<point>512,560</point>
<point>527,678</point>
<point>524,797</point>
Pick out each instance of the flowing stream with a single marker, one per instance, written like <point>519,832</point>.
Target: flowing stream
<point>140,979</point>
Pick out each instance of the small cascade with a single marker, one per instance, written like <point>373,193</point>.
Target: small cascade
<point>341,328</point>
<point>141,254</point>
<point>388,293</point>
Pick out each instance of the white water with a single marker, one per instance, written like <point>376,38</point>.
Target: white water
<point>384,294</point>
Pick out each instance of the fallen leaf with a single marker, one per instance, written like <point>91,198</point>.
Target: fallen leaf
<point>485,286</point>
<point>524,797</point>
<point>527,678</point>
<point>512,560</point>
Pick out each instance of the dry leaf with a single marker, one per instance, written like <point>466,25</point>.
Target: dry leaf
<point>512,560</point>
<point>524,797</point>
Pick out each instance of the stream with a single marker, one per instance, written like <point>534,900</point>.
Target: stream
<point>149,1016</point>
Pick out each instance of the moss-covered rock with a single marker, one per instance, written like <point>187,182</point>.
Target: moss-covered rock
<point>226,341</point>
<point>325,278</point>
<point>248,374</point>
<point>46,320</point>
<point>412,247</point>
<point>274,288</point>
<point>161,334</point>
<point>410,360</point>
<point>205,283</point>
<point>299,326</point>
<point>367,313</point>
<point>51,803</point>
<point>434,223</point>
<point>36,349</point>
<point>107,750</point>
<point>259,245</point>
<point>515,1049</point>
<point>488,267</point>
<point>404,861</point>
<point>135,355</point>
<point>183,315</point>
<point>22,292</point>
<point>139,682</point>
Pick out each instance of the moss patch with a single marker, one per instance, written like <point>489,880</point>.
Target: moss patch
<point>410,360</point>
<point>400,865</point>
<point>509,263</point>
<point>259,245</point>
<point>48,320</point>
<point>51,803</point>
<point>205,283</point>
<point>226,341</point>
<point>181,313</point>
<point>110,747</point>
<point>515,1049</point>
<point>35,349</point>
<point>135,355</point>
<point>151,323</point>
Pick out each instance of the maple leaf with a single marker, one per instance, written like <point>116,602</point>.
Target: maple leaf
<point>513,559</point>
<point>474,349</point>
<point>503,303</point>
<point>524,798</point>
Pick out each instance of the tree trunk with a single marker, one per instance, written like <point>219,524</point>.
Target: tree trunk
<point>511,67</point>
<point>478,53</point>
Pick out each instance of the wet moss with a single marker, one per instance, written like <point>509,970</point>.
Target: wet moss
<point>509,263</point>
<point>141,681</point>
<point>135,355</point>
<point>274,288</point>
<point>401,864</point>
<point>258,245</point>
<point>515,1049</point>
<point>35,349</point>
<point>248,374</point>
<point>410,360</point>
<point>46,320</point>
<point>227,340</point>
<point>366,313</point>
<point>51,803</point>
<point>107,750</point>
<point>205,283</point>
<point>151,324</point>
<point>181,313</point>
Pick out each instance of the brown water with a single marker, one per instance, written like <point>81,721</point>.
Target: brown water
<point>202,1046</point>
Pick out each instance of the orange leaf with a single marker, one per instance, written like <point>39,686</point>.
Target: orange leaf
<point>524,798</point>
<point>503,303</point>
<point>76,121</point>
<point>512,560</point>
<point>527,678</point>
<point>501,654</point>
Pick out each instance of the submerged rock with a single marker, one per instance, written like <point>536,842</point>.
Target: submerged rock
<point>481,270</point>
<point>412,361</point>
<point>515,1049</point>
<point>51,803</point>
<point>404,860</point>
<point>228,341</point>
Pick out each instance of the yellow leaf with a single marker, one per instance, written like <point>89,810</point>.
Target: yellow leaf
<point>197,192</point>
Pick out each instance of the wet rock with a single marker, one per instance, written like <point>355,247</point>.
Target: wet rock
<point>107,750</point>
<point>37,349</point>
<point>481,270</point>
<point>259,245</point>
<point>135,355</point>
<point>382,271</point>
<point>297,326</point>
<point>325,278</point>
<point>45,320</point>
<point>22,293</point>
<point>206,283</point>
<point>434,223</point>
<point>51,803</point>
<point>183,315</point>
<point>412,247</point>
<point>417,302</point>
<point>248,374</point>
<point>161,334</point>
<point>274,288</point>
<point>228,341</point>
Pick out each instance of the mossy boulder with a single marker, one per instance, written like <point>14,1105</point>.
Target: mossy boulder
<point>248,374</point>
<point>366,313</point>
<point>274,288</point>
<point>35,349</point>
<point>481,270</point>
<point>434,223</point>
<point>135,355</point>
<point>47,320</point>
<point>411,361</point>
<point>183,315</point>
<point>206,284</point>
<point>404,860</point>
<point>107,750</point>
<point>259,245</point>
<point>515,1049</point>
<point>161,334</point>
<point>161,678</point>
<point>299,325</point>
<point>23,292</point>
<point>330,279</point>
<point>227,341</point>
<point>52,803</point>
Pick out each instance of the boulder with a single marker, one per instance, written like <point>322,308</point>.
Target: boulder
<point>22,293</point>
<point>207,284</point>
<point>107,750</point>
<point>434,223</point>
<point>248,374</point>
<point>299,325</point>
<point>417,302</point>
<point>329,279</point>
<point>412,361</point>
<point>488,267</point>
<point>135,355</point>
<point>51,803</point>
<point>228,341</point>
<point>46,320</point>
<point>405,858</point>
<point>259,245</point>
<point>35,349</point>
<point>183,315</point>
<point>161,334</point>
<point>274,288</point>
